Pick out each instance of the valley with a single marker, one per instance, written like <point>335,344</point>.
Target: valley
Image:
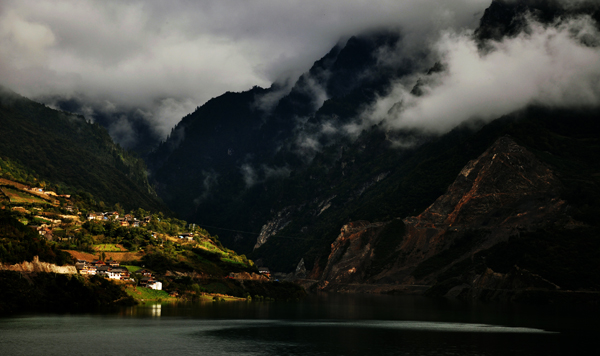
<point>136,251</point>
<point>466,169</point>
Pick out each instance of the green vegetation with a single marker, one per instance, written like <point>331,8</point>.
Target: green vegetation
<point>252,290</point>
<point>132,268</point>
<point>20,243</point>
<point>142,293</point>
<point>63,153</point>
<point>73,156</point>
<point>38,220</point>
<point>14,171</point>
<point>170,260</point>
<point>49,292</point>
<point>107,248</point>
<point>20,197</point>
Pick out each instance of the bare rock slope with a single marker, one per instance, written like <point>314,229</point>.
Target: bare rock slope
<point>502,193</point>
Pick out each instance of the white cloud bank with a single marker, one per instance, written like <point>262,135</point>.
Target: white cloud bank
<point>162,60</point>
<point>555,66</point>
<point>166,58</point>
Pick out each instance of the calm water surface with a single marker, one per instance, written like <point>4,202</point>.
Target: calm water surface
<point>319,325</point>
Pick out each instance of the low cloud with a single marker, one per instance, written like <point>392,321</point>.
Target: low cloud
<point>166,59</point>
<point>253,176</point>
<point>122,131</point>
<point>276,172</point>
<point>210,181</point>
<point>249,174</point>
<point>555,66</point>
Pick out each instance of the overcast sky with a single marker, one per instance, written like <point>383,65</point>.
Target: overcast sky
<point>166,58</point>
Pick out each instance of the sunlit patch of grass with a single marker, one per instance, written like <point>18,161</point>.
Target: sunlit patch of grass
<point>107,248</point>
<point>144,293</point>
<point>132,269</point>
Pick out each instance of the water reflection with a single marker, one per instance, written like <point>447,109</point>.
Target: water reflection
<point>391,308</point>
<point>156,308</point>
<point>319,325</point>
<point>380,338</point>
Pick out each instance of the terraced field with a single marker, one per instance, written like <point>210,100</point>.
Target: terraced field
<point>109,248</point>
<point>20,197</point>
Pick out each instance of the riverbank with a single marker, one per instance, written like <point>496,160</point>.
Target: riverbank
<point>52,292</point>
<point>141,294</point>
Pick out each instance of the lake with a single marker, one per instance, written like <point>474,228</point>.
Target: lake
<point>318,325</point>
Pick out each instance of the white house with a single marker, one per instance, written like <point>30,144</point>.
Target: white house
<point>156,285</point>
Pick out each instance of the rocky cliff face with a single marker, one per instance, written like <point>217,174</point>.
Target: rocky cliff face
<point>37,266</point>
<point>503,192</point>
<point>273,226</point>
<point>499,188</point>
<point>351,253</point>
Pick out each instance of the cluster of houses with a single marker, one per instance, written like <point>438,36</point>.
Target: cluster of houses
<point>44,230</point>
<point>128,220</point>
<point>187,236</point>
<point>111,270</point>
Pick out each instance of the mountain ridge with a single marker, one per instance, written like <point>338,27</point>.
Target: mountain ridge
<point>327,179</point>
<point>72,154</point>
<point>416,208</point>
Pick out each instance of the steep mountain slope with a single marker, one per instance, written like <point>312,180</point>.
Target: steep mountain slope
<point>503,191</point>
<point>134,133</point>
<point>291,180</point>
<point>509,18</point>
<point>76,156</point>
<point>566,140</point>
<point>502,225</point>
<point>229,157</point>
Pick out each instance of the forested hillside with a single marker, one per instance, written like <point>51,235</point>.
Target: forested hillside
<point>44,146</point>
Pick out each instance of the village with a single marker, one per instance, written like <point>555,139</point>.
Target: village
<point>55,216</point>
<point>120,246</point>
<point>111,270</point>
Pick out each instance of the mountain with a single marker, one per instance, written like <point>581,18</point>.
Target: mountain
<point>510,18</point>
<point>278,181</point>
<point>62,150</point>
<point>128,128</point>
<point>234,160</point>
<point>503,223</point>
<point>231,143</point>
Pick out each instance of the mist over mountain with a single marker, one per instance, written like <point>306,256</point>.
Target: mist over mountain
<point>378,128</point>
<point>406,98</point>
<point>70,154</point>
<point>127,63</point>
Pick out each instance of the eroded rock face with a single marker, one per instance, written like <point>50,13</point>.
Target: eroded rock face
<point>505,190</point>
<point>273,226</point>
<point>351,253</point>
<point>505,185</point>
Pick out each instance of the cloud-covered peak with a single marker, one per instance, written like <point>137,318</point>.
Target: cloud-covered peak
<point>167,58</point>
<point>554,65</point>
